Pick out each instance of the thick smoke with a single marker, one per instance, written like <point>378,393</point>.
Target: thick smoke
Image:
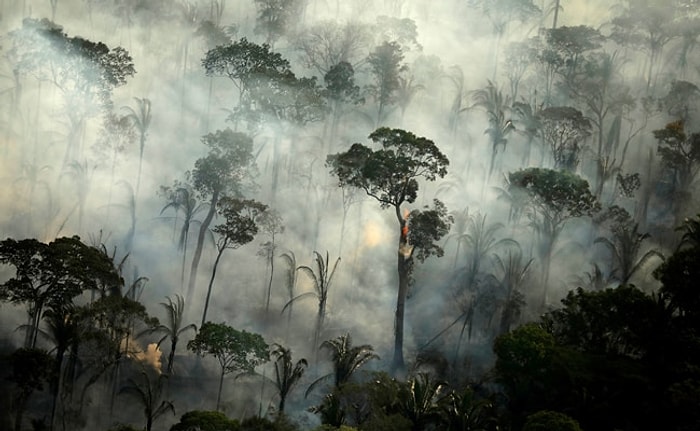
<point>91,191</point>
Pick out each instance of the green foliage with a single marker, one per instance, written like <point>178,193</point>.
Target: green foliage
<point>550,421</point>
<point>235,350</point>
<point>280,423</point>
<point>559,195</point>
<point>287,373</point>
<point>426,227</point>
<point>226,167</point>
<point>390,175</point>
<point>206,421</point>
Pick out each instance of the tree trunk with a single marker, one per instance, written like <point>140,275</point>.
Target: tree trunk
<point>200,245</point>
<point>221,385</point>
<point>403,267</point>
<point>211,283</point>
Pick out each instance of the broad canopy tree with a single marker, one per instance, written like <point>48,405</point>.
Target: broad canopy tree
<point>49,276</point>
<point>225,171</point>
<point>235,350</point>
<point>551,198</point>
<point>390,175</point>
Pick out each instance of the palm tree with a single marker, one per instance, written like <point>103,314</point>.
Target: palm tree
<point>287,374</point>
<point>175,313</point>
<point>148,394</point>
<point>141,119</point>
<point>491,100</point>
<point>182,198</point>
<point>346,360</point>
<point>418,400</point>
<point>514,271</point>
<point>625,248</point>
<point>321,283</point>
<point>463,411</point>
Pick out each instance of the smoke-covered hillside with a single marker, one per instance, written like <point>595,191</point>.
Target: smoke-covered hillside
<point>424,176</point>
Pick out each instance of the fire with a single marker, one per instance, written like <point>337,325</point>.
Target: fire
<point>151,356</point>
<point>404,229</point>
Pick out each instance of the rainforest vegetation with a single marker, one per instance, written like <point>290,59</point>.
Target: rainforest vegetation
<point>362,215</point>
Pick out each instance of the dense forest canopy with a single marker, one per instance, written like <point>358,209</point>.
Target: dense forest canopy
<point>398,214</point>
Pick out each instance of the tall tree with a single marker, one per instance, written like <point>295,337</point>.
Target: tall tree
<point>287,373</point>
<point>225,171</point>
<point>321,280</point>
<point>141,120</point>
<point>240,225</point>
<point>552,198</point>
<point>85,72</point>
<point>680,155</point>
<point>277,17</point>
<point>346,358</point>
<point>491,100</point>
<point>235,350</point>
<point>50,276</point>
<point>564,129</point>
<point>386,63</point>
<point>149,396</point>
<point>271,224</point>
<point>390,175</point>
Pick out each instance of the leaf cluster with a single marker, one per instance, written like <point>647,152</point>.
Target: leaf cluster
<point>235,350</point>
<point>390,174</point>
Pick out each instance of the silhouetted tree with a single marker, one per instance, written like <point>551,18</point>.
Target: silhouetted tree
<point>235,350</point>
<point>240,225</point>
<point>553,197</point>
<point>225,171</point>
<point>174,328</point>
<point>390,175</point>
<point>287,373</point>
<point>321,279</point>
<point>149,396</point>
<point>386,68</point>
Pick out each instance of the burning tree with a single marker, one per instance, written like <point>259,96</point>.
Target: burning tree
<point>390,175</point>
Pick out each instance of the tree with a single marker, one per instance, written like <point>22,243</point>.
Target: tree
<point>148,394</point>
<point>225,171</point>
<point>141,119</point>
<point>49,276</point>
<point>321,282</point>
<point>680,155</point>
<point>346,360</point>
<point>270,223</point>
<point>625,248</point>
<point>647,26</point>
<point>31,368</point>
<point>241,218</point>
<point>326,44</point>
<point>386,68</point>
<point>502,13</point>
<point>181,197</point>
<point>390,176</point>
<point>85,72</point>
<point>564,129</point>
<point>175,313</point>
<point>287,373</point>
<point>276,16</point>
<point>552,198</point>
<point>235,350</point>
<point>492,101</point>
<point>418,400</point>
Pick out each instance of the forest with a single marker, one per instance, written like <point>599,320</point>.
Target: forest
<point>230,215</point>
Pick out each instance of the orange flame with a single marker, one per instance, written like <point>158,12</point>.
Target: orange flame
<point>404,229</point>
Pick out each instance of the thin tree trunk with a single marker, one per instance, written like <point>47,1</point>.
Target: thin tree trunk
<point>200,245</point>
<point>221,385</point>
<point>211,284</point>
<point>403,267</point>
